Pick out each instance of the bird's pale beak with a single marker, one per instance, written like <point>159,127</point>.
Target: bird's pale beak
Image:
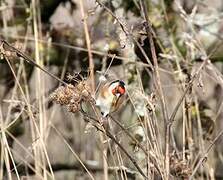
<point>118,95</point>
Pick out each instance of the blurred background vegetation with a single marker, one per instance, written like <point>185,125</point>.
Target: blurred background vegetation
<point>43,140</point>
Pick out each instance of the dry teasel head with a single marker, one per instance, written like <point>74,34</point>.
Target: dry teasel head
<point>73,95</point>
<point>179,167</point>
<point>63,94</point>
<point>85,93</point>
<point>73,107</point>
<point>80,86</point>
<point>84,90</point>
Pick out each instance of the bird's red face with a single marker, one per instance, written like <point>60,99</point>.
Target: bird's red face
<point>119,89</point>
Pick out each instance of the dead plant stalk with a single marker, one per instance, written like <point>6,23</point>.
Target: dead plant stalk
<point>150,34</point>
<point>88,41</point>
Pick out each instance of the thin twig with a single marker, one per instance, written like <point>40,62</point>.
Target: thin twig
<point>127,32</point>
<point>88,41</point>
<point>137,142</point>
<point>190,84</point>
<point>96,124</point>
<point>206,154</point>
<point>150,34</point>
<point>5,46</point>
<point>70,148</point>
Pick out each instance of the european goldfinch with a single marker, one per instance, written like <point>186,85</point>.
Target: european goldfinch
<point>110,97</point>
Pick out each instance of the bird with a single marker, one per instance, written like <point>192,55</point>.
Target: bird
<point>110,97</point>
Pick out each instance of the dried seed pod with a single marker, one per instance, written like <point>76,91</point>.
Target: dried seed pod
<point>71,95</point>
<point>75,97</point>
<point>85,93</point>
<point>55,96</point>
<point>73,107</point>
<point>179,167</point>
<point>63,95</point>
<point>69,90</point>
<point>80,86</point>
<point>63,100</point>
<point>87,87</point>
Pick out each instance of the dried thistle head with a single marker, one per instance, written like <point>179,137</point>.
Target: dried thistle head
<point>63,94</point>
<point>73,95</point>
<point>7,51</point>
<point>73,107</point>
<point>179,167</point>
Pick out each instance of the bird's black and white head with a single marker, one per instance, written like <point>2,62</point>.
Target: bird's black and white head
<point>117,88</point>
